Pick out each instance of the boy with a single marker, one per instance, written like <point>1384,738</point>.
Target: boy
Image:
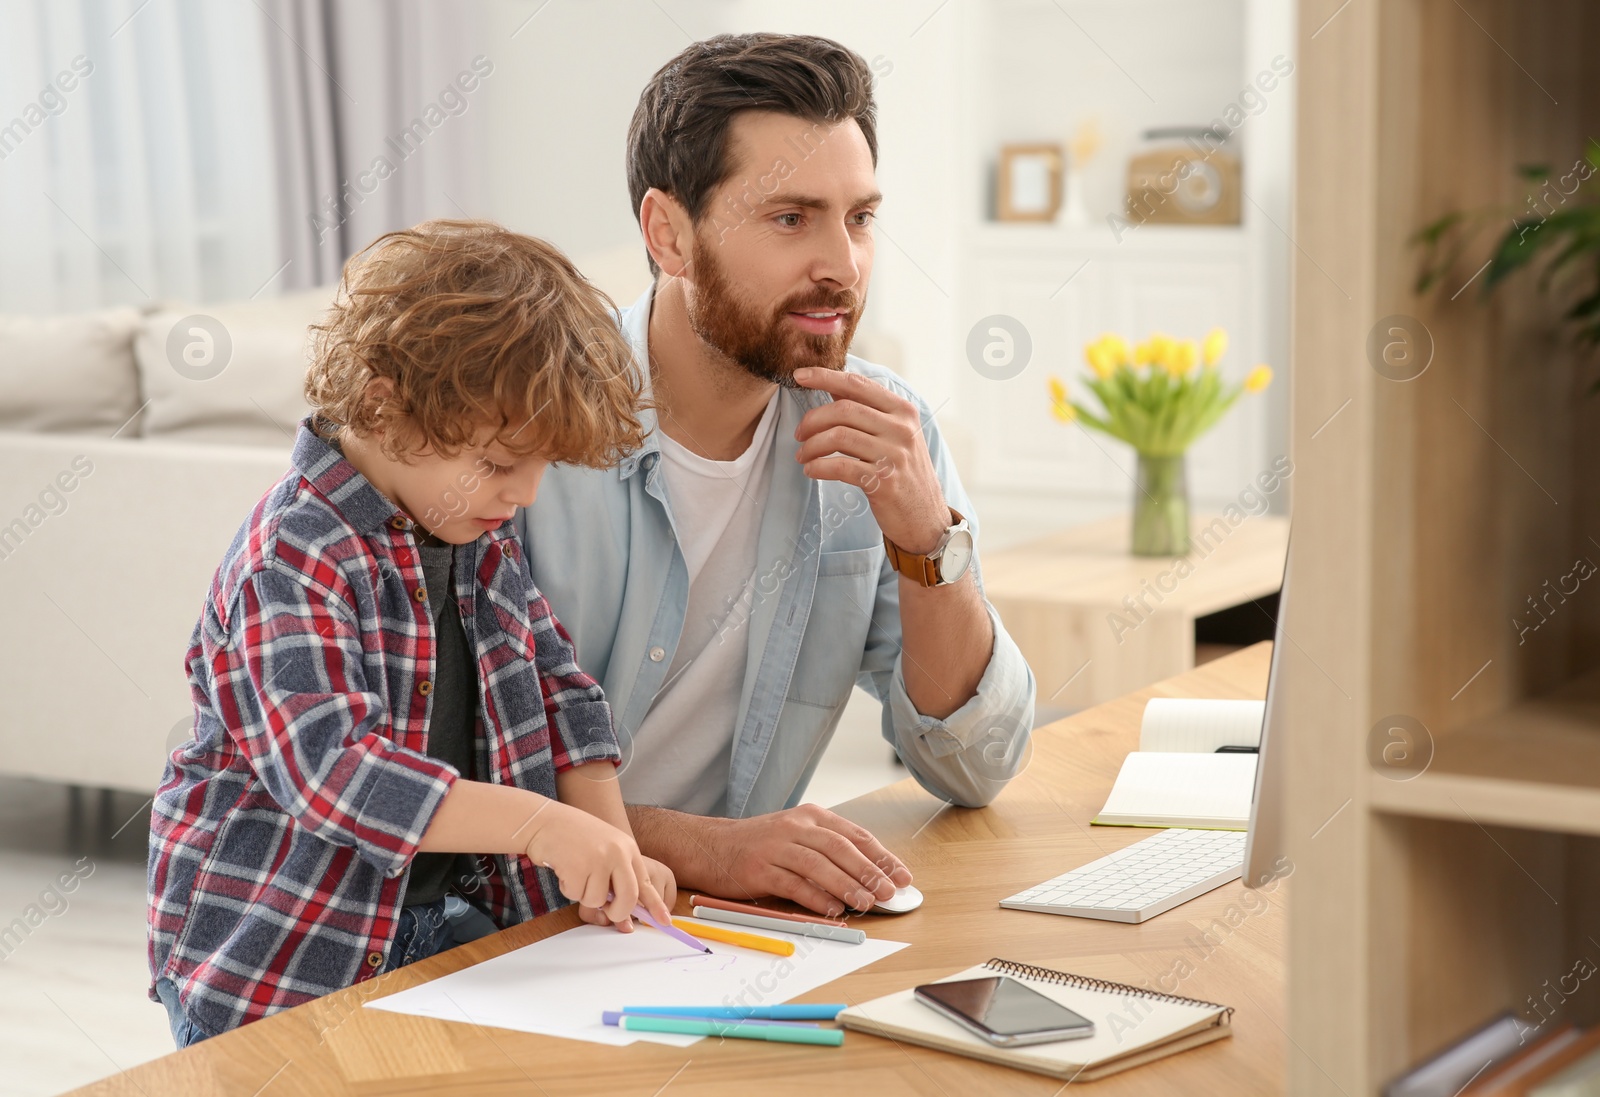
<point>378,686</point>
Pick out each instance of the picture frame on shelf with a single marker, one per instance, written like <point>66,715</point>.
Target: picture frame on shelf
<point>1028,182</point>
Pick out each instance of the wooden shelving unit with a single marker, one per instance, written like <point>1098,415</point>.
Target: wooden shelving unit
<point>1427,511</point>
<point>1534,765</point>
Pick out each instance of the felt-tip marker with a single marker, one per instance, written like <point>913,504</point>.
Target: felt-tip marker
<point>778,1034</point>
<point>671,931</point>
<point>789,1011</point>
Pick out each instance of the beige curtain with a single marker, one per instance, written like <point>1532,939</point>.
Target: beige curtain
<point>377,122</point>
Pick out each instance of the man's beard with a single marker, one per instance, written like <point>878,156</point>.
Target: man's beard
<point>768,346</point>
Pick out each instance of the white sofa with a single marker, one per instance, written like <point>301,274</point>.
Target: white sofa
<point>121,484</point>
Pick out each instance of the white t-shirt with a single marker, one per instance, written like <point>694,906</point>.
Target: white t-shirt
<point>682,751</point>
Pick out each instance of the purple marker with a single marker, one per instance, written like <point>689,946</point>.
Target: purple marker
<point>614,1017</point>
<point>671,931</point>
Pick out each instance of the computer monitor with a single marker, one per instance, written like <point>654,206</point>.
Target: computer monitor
<point>1264,858</point>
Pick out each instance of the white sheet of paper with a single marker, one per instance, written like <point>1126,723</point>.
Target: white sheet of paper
<point>1200,724</point>
<point>559,986</point>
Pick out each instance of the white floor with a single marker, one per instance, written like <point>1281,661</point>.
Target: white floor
<point>72,991</point>
<point>72,1000</point>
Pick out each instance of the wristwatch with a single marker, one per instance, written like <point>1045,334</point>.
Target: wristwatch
<point>946,564</point>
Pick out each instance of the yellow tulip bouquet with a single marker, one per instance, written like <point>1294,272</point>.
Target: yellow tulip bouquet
<point>1153,397</point>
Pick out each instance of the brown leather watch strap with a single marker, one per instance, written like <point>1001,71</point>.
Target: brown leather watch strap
<point>919,568</point>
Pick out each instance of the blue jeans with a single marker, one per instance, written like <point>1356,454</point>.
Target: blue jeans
<point>436,927</point>
<point>184,1031</point>
<point>423,931</point>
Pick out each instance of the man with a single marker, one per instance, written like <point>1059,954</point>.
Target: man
<point>732,580</point>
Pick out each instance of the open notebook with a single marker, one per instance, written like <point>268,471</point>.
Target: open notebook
<point>1131,1025</point>
<point>1175,779</point>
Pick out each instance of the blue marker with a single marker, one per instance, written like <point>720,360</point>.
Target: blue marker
<point>615,1016</point>
<point>799,1012</point>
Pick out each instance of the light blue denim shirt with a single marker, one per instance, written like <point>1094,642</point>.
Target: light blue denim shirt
<point>823,613</point>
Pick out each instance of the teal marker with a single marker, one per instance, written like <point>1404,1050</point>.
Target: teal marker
<point>779,1034</point>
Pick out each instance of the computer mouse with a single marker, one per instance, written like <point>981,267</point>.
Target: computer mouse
<point>902,901</point>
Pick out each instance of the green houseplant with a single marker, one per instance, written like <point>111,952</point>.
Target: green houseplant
<point>1548,224</point>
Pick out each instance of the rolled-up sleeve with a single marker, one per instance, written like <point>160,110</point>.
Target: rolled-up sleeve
<point>968,756</point>
<point>575,707</point>
<point>292,685</point>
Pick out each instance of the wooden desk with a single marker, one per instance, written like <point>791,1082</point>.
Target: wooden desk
<point>1062,599</point>
<point>965,861</point>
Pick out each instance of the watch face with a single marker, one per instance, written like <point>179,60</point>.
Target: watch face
<point>957,556</point>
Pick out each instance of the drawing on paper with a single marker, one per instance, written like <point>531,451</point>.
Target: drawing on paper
<point>699,962</point>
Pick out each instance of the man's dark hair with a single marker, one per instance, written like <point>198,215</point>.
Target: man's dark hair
<point>678,140</point>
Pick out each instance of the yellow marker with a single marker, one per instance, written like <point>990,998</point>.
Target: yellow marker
<point>734,937</point>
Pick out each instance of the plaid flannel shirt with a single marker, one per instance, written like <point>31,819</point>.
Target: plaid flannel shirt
<point>283,830</point>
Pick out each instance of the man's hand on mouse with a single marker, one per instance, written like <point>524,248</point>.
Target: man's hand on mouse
<point>806,854</point>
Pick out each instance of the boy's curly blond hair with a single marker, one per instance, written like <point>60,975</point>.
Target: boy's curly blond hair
<point>475,326</point>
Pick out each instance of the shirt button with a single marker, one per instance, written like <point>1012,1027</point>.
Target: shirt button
<point>421,593</point>
<point>657,654</point>
<point>424,687</point>
<point>374,959</point>
<point>397,522</point>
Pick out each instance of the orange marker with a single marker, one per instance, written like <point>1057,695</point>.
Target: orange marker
<point>734,937</point>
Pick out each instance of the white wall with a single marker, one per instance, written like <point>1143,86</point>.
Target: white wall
<point>1126,67</point>
<point>565,84</point>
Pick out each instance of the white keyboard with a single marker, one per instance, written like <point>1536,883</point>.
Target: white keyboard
<point>1142,880</point>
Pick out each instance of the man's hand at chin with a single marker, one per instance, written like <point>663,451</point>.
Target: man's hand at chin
<point>807,854</point>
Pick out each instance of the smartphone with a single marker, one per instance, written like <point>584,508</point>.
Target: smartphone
<point>1004,1012</point>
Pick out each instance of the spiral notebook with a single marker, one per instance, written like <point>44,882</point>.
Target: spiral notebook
<point>1132,1025</point>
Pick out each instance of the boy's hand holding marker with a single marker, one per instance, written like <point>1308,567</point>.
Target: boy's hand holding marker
<point>659,876</point>
<point>600,867</point>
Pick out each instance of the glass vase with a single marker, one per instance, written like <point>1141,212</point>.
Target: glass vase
<point>1161,507</point>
